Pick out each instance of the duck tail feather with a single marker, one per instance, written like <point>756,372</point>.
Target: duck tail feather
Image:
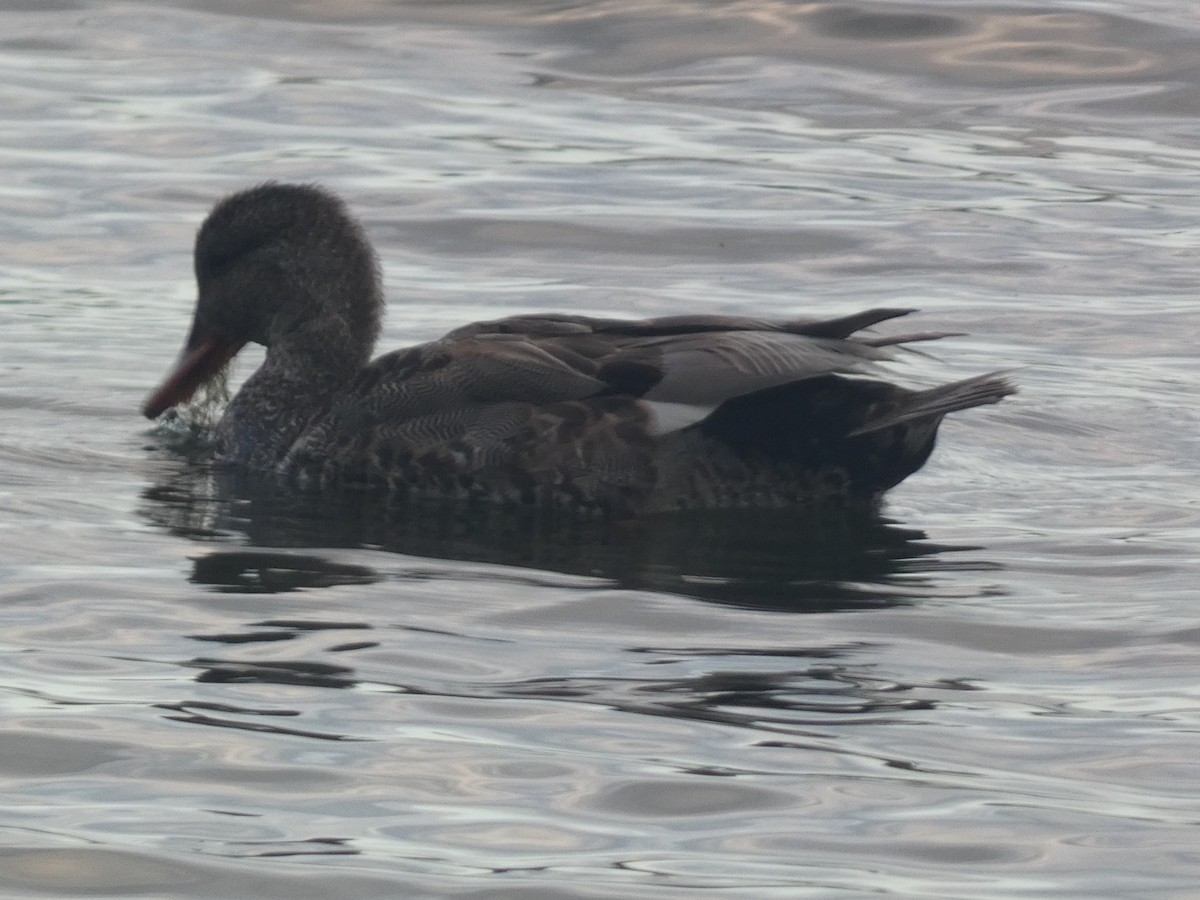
<point>911,338</point>
<point>844,326</point>
<point>937,402</point>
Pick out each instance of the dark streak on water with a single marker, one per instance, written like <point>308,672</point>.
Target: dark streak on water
<point>213,689</point>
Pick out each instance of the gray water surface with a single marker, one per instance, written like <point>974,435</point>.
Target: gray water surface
<point>214,690</point>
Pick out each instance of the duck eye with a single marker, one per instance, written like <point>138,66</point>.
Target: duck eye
<point>215,264</point>
<point>216,261</point>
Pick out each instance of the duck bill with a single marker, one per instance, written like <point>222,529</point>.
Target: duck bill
<point>203,356</point>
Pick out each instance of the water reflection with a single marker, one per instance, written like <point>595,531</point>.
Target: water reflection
<point>221,715</point>
<point>776,700</point>
<point>777,560</point>
<point>256,572</point>
<point>260,538</point>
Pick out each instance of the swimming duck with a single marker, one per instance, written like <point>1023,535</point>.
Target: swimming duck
<point>628,416</point>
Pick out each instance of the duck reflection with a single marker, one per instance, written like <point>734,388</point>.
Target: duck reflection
<point>777,560</point>
<point>771,561</point>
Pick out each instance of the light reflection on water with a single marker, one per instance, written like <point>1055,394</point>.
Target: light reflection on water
<point>211,689</point>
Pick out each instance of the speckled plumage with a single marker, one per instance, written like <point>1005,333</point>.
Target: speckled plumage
<point>551,410</point>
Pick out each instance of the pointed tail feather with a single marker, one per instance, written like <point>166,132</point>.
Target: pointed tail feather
<point>939,401</point>
<point>843,326</point>
<point>910,338</point>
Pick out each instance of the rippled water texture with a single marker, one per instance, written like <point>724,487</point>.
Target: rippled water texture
<point>210,689</point>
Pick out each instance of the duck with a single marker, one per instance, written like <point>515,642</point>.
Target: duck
<point>622,416</point>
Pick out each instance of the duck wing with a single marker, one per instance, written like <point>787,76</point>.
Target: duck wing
<point>484,383</point>
<point>552,324</point>
<point>539,359</point>
<point>453,373</point>
<point>702,360</point>
<point>709,368</point>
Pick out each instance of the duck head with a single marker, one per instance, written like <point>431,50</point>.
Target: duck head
<point>285,266</point>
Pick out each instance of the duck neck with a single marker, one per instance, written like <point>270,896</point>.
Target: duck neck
<point>297,384</point>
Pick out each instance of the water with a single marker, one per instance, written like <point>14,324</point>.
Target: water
<point>211,691</point>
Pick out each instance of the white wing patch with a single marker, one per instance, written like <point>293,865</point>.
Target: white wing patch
<point>666,417</point>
